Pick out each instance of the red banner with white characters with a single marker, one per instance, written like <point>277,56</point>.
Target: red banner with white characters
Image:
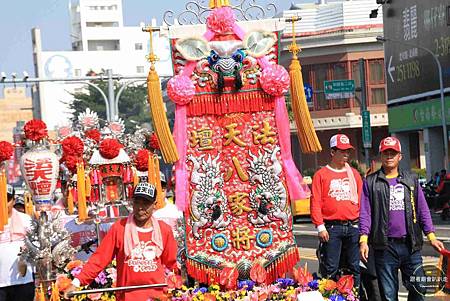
<point>40,168</point>
<point>239,209</point>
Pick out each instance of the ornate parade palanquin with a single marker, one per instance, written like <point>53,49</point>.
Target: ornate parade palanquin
<point>235,177</point>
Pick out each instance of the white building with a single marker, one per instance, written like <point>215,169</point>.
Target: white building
<point>100,41</point>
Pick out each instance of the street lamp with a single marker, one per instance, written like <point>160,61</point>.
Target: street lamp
<point>441,88</point>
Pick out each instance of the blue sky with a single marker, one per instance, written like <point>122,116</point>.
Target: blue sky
<point>18,17</point>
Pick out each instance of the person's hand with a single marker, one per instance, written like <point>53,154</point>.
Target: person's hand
<point>437,245</point>
<point>364,251</point>
<point>323,235</point>
<point>68,290</point>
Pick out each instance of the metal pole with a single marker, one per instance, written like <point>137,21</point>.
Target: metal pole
<point>441,88</point>
<point>119,93</point>
<point>363,107</point>
<point>115,289</point>
<point>111,98</point>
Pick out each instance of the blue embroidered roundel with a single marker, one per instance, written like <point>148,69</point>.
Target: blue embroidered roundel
<point>219,242</point>
<point>264,238</point>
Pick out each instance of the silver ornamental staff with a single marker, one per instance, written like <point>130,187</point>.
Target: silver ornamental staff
<point>115,289</point>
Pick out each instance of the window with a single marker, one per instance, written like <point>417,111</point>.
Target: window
<point>319,76</point>
<point>376,70</point>
<point>139,69</point>
<point>376,88</point>
<point>137,46</point>
<point>378,96</point>
<point>77,72</point>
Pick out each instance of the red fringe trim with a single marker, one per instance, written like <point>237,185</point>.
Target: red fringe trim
<point>282,265</point>
<point>275,269</point>
<point>221,104</point>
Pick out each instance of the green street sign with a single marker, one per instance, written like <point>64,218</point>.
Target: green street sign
<point>337,89</point>
<point>366,129</point>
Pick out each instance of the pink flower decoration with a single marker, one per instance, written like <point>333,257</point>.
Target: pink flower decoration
<point>275,80</point>
<point>221,20</point>
<point>181,89</point>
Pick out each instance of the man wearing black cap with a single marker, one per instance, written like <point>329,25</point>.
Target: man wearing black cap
<point>16,277</point>
<point>142,246</point>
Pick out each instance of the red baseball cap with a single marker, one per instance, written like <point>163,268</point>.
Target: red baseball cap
<point>390,143</point>
<point>340,141</point>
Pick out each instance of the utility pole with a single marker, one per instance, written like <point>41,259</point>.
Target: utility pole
<point>111,98</point>
<point>365,114</point>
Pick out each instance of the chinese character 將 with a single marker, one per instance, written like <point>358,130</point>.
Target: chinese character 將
<point>232,135</point>
<point>202,138</point>
<point>241,238</point>
<point>263,136</point>
<point>237,203</point>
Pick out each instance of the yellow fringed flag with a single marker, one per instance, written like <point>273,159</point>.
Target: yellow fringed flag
<point>81,193</point>
<point>305,128</point>
<point>70,206</point>
<point>159,197</point>
<point>158,110</point>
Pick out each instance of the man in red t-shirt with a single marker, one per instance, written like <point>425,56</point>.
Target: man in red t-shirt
<point>335,203</point>
<point>143,248</point>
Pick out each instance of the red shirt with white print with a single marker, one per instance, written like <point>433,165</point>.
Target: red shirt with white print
<point>140,268</point>
<point>331,196</point>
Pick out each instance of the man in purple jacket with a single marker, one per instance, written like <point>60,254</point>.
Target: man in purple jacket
<point>393,215</point>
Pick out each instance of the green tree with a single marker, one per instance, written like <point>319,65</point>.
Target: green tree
<point>133,105</point>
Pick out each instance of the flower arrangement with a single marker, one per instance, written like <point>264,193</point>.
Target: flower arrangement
<point>106,278</point>
<point>286,289</point>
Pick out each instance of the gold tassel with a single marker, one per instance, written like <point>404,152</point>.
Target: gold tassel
<point>305,128</point>
<point>55,293</point>
<point>40,295</point>
<point>70,206</point>
<point>81,193</point>
<point>88,186</point>
<point>157,109</point>
<point>3,201</point>
<point>151,170</point>
<point>159,197</point>
<point>135,177</point>
<point>218,3</point>
<point>29,208</point>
